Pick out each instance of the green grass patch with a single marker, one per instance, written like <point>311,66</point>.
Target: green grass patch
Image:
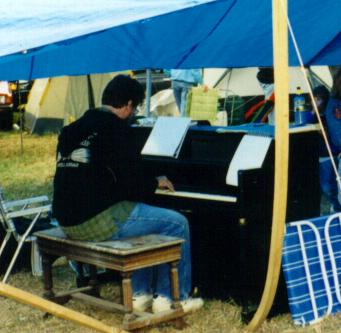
<point>26,166</point>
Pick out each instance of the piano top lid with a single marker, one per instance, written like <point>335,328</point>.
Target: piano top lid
<point>251,128</point>
<point>261,129</point>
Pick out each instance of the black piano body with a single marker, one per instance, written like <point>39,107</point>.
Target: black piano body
<point>230,239</point>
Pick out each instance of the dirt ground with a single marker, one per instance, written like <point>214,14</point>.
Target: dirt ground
<point>215,317</point>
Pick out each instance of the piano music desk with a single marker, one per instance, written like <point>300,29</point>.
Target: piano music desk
<point>124,256</point>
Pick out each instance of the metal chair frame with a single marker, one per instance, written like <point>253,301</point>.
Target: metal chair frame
<point>31,207</point>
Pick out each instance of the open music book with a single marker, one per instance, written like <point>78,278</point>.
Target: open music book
<point>250,154</point>
<point>167,136</point>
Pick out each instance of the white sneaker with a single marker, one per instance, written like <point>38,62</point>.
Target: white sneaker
<point>142,302</point>
<point>162,303</point>
<point>192,304</point>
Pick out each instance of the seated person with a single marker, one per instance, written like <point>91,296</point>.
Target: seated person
<point>98,188</point>
<point>263,111</point>
<point>327,175</point>
<point>333,119</point>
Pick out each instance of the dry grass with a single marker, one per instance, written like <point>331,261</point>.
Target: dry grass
<point>215,317</point>
<point>31,174</point>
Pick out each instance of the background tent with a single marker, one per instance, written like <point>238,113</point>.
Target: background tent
<point>135,34</point>
<point>243,81</point>
<point>240,82</point>
<point>55,102</point>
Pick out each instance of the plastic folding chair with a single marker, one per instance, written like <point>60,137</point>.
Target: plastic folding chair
<point>20,219</point>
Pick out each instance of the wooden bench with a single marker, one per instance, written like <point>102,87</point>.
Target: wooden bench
<point>124,256</point>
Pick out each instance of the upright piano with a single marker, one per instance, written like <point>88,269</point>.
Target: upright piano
<point>231,225</point>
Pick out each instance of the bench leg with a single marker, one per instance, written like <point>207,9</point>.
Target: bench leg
<point>175,282</point>
<point>93,281</point>
<point>81,280</point>
<point>127,292</point>
<point>47,271</point>
<point>179,323</point>
<point>47,261</point>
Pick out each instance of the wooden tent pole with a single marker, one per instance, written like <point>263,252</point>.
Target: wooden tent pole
<point>55,309</point>
<point>280,41</point>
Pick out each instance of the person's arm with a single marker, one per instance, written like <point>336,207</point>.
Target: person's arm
<point>333,118</point>
<point>134,180</point>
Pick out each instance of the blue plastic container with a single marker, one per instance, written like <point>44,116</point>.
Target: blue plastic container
<point>303,117</point>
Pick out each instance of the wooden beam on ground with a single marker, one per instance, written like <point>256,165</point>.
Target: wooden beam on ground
<point>280,41</point>
<point>56,309</point>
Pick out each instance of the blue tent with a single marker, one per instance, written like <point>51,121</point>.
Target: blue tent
<point>44,38</point>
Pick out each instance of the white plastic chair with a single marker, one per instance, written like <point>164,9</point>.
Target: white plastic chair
<point>32,208</point>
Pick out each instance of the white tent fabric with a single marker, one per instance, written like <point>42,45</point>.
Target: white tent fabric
<point>34,23</point>
<point>137,34</point>
<point>243,81</point>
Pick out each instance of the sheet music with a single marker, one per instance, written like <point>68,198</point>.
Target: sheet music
<point>250,154</point>
<point>167,136</point>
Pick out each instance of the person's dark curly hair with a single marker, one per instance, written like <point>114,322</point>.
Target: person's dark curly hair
<point>266,75</point>
<point>120,90</point>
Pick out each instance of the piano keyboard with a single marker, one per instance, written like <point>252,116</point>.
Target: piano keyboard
<point>196,195</point>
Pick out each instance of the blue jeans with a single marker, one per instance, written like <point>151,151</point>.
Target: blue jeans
<point>181,90</point>
<point>146,219</point>
<point>328,183</point>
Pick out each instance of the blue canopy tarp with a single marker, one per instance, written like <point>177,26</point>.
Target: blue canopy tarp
<point>45,38</point>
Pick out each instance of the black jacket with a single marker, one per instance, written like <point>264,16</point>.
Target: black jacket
<point>96,167</point>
